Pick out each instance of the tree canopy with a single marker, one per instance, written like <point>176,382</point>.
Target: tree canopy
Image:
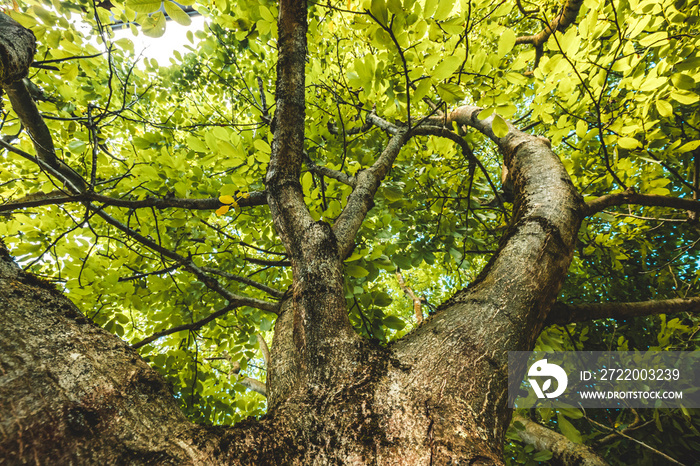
<point>155,199</point>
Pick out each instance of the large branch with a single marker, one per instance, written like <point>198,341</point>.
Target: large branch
<point>186,262</point>
<point>72,393</point>
<point>563,449</point>
<point>505,307</point>
<point>629,196</point>
<point>57,197</point>
<point>563,314</point>
<point>322,330</point>
<point>209,281</point>
<point>285,196</point>
<point>17,48</point>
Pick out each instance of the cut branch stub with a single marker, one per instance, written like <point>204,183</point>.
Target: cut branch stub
<point>17,48</point>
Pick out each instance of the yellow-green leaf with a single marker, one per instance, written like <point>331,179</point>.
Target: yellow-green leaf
<point>176,13</point>
<point>665,108</point>
<point>443,10</point>
<point>684,97</point>
<point>430,7</point>
<point>446,67</point>
<point>485,113</point>
<point>154,26</point>
<point>356,271</point>
<point>450,93</point>
<point>628,143</point>
<point>568,429</point>
<point>262,146</point>
<point>688,146</point>
<point>499,126</point>
<point>506,42</point>
<point>393,194</point>
<point>196,144</point>
<point>227,200</point>
<point>144,6</point>
<point>379,11</point>
<point>422,89</point>
<point>581,128</point>
<point>654,40</point>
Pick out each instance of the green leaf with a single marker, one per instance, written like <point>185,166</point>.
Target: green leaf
<point>485,113</point>
<point>77,147</point>
<point>144,6</point>
<point>568,429</point>
<point>444,9</point>
<point>356,271</point>
<point>656,39</point>
<point>307,182</point>
<point>395,7</point>
<point>688,146</point>
<point>628,143</point>
<point>499,126</point>
<point>262,146</point>
<point>430,7</point>
<point>196,144</point>
<point>450,93</point>
<point>227,149</point>
<point>506,42</point>
<point>393,194</point>
<point>446,67</point>
<point>544,455</point>
<point>684,97</point>
<point>422,89</point>
<point>581,129</point>
<point>683,81</point>
<point>379,11</point>
<point>394,323</point>
<point>154,26</point>
<point>665,109</point>
<point>571,413</point>
<point>176,13</point>
<point>381,299</point>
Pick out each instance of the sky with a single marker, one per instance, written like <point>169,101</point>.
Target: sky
<point>162,48</point>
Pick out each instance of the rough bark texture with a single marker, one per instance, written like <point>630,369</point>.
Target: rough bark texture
<point>71,392</point>
<point>17,48</point>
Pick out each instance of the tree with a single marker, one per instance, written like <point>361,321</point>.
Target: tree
<point>183,211</point>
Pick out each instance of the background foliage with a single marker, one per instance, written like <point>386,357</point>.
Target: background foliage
<point>616,93</point>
